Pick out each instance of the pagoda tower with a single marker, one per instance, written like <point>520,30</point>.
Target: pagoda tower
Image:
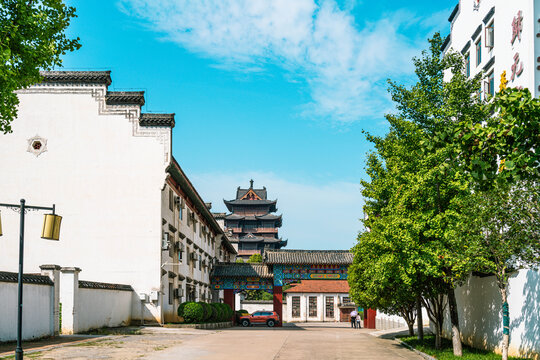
<point>252,222</point>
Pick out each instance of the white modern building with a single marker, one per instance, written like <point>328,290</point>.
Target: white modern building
<point>130,214</point>
<point>498,37</point>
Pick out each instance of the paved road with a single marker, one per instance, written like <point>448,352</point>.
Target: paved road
<point>313,341</point>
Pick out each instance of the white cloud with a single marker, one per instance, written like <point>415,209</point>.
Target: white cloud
<point>314,216</point>
<point>316,41</point>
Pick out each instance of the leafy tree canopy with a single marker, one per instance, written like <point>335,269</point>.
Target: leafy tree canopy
<point>33,38</point>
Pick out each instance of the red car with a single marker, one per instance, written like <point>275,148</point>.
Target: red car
<point>270,318</point>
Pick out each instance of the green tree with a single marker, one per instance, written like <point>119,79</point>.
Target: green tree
<point>239,260</point>
<point>415,186</point>
<point>255,258</point>
<point>33,38</point>
<point>500,149</point>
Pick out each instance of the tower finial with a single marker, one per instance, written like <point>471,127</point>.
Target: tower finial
<point>251,184</point>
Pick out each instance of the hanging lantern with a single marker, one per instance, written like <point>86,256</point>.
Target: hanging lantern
<point>0,224</point>
<point>51,227</point>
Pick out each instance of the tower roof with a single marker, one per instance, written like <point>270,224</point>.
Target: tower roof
<point>230,203</point>
<point>261,194</point>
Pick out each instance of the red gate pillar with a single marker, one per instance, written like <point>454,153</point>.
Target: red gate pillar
<point>228,298</point>
<point>369,318</point>
<point>278,303</point>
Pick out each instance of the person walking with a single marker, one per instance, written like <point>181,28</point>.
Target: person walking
<point>353,315</point>
<point>358,319</point>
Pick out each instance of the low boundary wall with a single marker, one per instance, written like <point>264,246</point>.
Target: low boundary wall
<point>38,295</point>
<point>480,313</point>
<point>86,305</point>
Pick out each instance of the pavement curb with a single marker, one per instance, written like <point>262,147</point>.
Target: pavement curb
<point>424,355</point>
<point>56,346</point>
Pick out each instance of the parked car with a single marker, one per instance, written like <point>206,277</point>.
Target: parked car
<point>239,313</point>
<point>270,318</point>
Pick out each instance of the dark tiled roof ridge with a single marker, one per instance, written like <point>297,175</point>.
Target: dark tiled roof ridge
<point>297,257</point>
<point>84,77</point>
<point>125,98</point>
<point>103,286</point>
<point>13,277</point>
<point>157,119</point>
<point>242,270</point>
<point>309,251</point>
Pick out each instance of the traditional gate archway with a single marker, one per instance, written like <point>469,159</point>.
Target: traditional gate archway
<point>282,267</point>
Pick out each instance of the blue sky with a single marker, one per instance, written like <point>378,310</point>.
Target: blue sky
<point>278,91</point>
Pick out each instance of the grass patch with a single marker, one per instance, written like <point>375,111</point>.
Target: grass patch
<point>160,347</point>
<point>446,353</point>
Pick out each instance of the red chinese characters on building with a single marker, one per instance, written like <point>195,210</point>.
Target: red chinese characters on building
<point>517,27</point>
<point>517,67</point>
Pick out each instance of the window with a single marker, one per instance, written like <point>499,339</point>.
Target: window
<point>200,258</point>
<point>295,306</point>
<point>312,306</point>
<point>171,200</point>
<point>329,306</point>
<point>490,35</point>
<point>180,214</point>
<point>180,252</point>
<point>345,300</point>
<point>489,86</point>
<point>171,294</point>
<point>468,64</point>
<point>479,52</point>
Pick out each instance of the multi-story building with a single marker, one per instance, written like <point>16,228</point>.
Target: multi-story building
<point>252,222</point>
<point>499,38</point>
<point>130,214</point>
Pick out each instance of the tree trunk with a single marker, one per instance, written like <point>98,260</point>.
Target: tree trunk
<point>435,308</point>
<point>411,329</point>
<point>419,318</point>
<point>506,323</point>
<point>438,336</point>
<point>454,319</point>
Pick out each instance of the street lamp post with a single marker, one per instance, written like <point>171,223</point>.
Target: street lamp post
<point>50,231</point>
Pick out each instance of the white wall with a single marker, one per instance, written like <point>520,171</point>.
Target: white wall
<point>99,308</point>
<point>480,315</point>
<point>105,175</point>
<point>252,306</point>
<point>37,311</point>
<point>467,21</point>
<point>321,307</point>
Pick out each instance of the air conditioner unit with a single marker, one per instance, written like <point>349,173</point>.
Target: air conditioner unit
<point>144,297</point>
<point>165,241</point>
<point>154,296</point>
<point>178,293</point>
<point>177,200</point>
<point>193,256</point>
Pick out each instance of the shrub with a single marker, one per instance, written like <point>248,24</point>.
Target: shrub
<point>193,312</point>
<point>215,312</point>
<point>207,311</point>
<point>181,308</point>
<point>227,312</point>
<point>222,312</point>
